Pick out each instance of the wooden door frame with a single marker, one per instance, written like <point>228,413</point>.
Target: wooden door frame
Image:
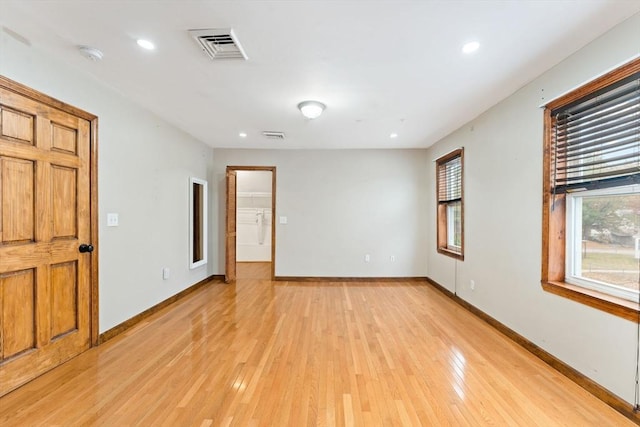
<point>33,94</point>
<point>271,169</point>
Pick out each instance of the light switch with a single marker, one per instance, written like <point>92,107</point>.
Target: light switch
<point>112,220</point>
<point>283,220</point>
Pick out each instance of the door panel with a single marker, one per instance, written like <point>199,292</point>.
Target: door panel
<point>17,125</point>
<point>64,139</point>
<point>17,184</point>
<point>64,190</point>
<point>64,298</point>
<point>18,302</point>
<point>44,217</point>
<point>230,253</point>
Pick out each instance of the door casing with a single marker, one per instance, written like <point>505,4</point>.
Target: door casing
<point>230,253</point>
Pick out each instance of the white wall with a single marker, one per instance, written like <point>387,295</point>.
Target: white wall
<point>144,169</point>
<point>340,205</point>
<point>253,181</point>
<point>503,216</point>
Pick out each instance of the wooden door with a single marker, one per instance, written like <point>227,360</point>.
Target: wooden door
<point>230,257</point>
<point>45,282</point>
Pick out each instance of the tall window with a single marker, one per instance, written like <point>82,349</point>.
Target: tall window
<point>591,218</point>
<point>449,170</point>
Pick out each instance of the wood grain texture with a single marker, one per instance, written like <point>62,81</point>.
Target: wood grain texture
<point>603,81</point>
<point>64,188</point>
<point>258,352</point>
<point>94,225</point>
<point>130,323</point>
<point>230,227</point>
<point>86,130</point>
<point>39,97</point>
<point>617,306</point>
<point>592,387</point>
<point>554,213</point>
<point>17,311</point>
<point>16,125</point>
<point>64,298</point>
<point>45,216</point>
<point>17,197</point>
<point>64,138</point>
<point>316,279</point>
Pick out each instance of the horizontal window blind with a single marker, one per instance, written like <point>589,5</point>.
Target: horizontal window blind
<point>450,180</point>
<point>596,140</point>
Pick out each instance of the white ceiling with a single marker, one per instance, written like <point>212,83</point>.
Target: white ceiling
<point>379,66</point>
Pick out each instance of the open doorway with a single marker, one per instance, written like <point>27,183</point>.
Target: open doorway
<point>250,225</point>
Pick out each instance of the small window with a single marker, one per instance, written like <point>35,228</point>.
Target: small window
<point>450,214</point>
<point>591,196</point>
<point>197,223</point>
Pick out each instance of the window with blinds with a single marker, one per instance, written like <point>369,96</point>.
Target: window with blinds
<point>450,180</point>
<point>450,206</point>
<point>591,193</point>
<point>596,139</point>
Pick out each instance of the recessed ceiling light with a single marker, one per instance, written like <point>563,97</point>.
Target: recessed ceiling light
<point>242,134</point>
<point>145,44</point>
<point>393,135</point>
<point>470,47</point>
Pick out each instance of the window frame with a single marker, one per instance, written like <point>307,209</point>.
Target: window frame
<point>554,213</point>
<point>443,225</point>
<point>574,209</point>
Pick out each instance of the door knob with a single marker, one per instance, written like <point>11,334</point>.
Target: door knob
<point>85,248</point>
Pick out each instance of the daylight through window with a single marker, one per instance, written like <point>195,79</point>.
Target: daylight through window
<point>591,218</point>
<point>449,175</point>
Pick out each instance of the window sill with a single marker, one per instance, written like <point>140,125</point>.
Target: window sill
<point>617,306</point>
<point>449,252</point>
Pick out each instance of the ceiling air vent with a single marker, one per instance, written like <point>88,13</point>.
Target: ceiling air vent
<point>219,43</point>
<point>269,134</point>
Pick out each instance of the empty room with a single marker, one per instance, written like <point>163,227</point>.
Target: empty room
<point>319,213</point>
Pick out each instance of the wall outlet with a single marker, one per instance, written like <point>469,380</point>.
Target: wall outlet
<point>367,258</point>
<point>472,285</point>
<point>392,258</point>
<point>165,273</point>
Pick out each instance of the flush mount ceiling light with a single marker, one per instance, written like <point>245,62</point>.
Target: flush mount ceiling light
<point>470,47</point>
<point>393,135</point>
<point>242,134</point>
<point>145,44</point>
<point>311,109</point>
<point>90,53</point>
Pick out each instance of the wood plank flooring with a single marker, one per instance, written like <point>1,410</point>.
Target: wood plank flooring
<point>307,354</point>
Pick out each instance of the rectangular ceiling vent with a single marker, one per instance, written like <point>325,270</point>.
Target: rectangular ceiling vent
<point>220,43</point>
<point>269,134</point>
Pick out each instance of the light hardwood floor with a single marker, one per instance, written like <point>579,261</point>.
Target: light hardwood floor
<point>307,354</point>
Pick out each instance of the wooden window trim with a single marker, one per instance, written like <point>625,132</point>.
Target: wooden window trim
<point>441,223</point>
<point>553,215</point>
